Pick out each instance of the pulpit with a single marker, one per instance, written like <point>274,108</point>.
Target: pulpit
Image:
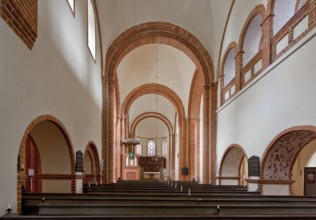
<point>131,170</point>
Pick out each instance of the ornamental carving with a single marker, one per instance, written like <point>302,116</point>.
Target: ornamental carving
<point>283,152</point>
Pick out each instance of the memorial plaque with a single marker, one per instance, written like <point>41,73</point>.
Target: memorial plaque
<point>79,161</point>
<point>254,166</point>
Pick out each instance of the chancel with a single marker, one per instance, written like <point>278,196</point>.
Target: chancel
<point>158,109</point>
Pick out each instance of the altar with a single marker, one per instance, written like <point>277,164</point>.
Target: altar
<point>152,167</point>
<point>152,175</point>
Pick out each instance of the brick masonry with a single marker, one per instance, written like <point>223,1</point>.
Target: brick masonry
<point>22,17</point>
<point>32,157</point>
<point>268,42</point>
<point>153,32</point>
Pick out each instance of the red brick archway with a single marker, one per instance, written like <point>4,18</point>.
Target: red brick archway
<point>169,34</point>
<point>174,100</point>
<point>92,151</point>
<point>146,115</point>
<point>280,155</point>
<point>23,146</point>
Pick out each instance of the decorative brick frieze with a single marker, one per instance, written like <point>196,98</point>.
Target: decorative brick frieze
<point>280,155</point>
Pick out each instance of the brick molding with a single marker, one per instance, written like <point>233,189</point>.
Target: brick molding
<point>286,146</point>
<point>23,146</point>
<point>146,33</point>
<point>22,17</point>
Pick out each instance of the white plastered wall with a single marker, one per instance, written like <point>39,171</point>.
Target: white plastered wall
<point>283,98</point>
<point>57,77</point>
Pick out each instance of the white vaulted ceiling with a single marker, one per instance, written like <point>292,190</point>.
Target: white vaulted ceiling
<point>172,69</point>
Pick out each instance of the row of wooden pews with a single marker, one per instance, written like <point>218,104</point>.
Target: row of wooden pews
<point>165,200</point>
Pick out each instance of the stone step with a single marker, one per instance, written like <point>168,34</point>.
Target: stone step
<point>170,209</point>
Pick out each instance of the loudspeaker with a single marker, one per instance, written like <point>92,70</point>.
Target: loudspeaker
<point>185,171</point>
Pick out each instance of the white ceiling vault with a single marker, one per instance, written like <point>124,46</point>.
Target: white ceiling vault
<point>158,63</point>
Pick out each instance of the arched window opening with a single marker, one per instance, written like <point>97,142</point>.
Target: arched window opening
<point>283,11</point>
<point>229,67</point>
<point>91,29</point>
<point>229,72</point>
<point>290,22</point>
<point>151,148</point>
<point>139,147</point>
<point>251,45</point>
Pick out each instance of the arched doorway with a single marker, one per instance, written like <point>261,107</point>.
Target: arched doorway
<point>91,164</point>
<point>306,158</point>
<point>165,142</point>
<point>234,166</point>
<point>280,156</point>
<point>46,159</point>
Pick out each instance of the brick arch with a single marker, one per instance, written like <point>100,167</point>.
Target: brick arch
<point>91,148</point>
<point>196,93</point>
<point>175,100</point>
<point>23,144</point>
<point>227,152</point>
<point>271,3</point>
<point>259,9</point>
<point>172,35</point>
<point>33,160</point>
<point>153,88</point>
<point>146,115</point>
<point>232,46</point>
<point>280,155</point>
<point>162,33</point>
<point>62,129</point>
